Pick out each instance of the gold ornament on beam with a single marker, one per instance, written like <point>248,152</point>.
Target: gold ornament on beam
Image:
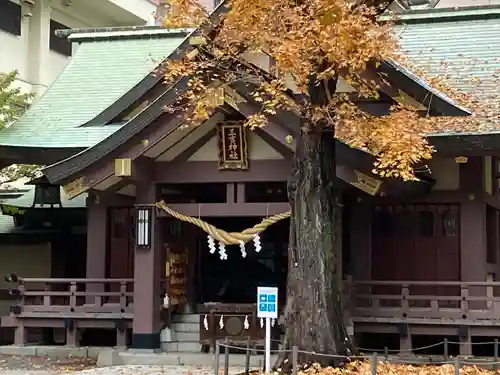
<point>226,238</point>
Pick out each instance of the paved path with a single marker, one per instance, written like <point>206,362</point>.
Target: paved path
<point>123,370</point>
<point>14,365</point>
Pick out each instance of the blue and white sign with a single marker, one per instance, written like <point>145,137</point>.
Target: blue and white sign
<point>267,302</point>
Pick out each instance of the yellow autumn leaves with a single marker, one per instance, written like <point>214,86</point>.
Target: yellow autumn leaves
<point>330,38</point>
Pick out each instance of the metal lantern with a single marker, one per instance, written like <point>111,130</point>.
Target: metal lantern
<point>144,215</point>
<point>47,194</point>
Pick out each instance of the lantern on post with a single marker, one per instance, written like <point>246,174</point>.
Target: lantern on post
<point>143,235</point>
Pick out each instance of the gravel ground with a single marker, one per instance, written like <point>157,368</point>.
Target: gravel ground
<point>156,370</point>
<point>10,365</point>
<point>14,365</point>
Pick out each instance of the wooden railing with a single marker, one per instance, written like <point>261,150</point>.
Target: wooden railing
<point>387,300</point>
<point>441,300</point>
<point>239,324</point>
<point>73,297</point>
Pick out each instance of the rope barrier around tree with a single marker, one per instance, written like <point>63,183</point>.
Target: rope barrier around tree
<point>227,238</point>
<point>370,364</point>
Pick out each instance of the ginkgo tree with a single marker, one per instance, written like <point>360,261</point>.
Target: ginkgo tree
<point>13,103</point>
<point>312,44</point>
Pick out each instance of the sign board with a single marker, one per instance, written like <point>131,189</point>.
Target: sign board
<point>177,275</point>
<point>233,153</point>
<point>267,302</point>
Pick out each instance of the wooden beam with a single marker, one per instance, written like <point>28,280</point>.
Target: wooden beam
<point>228,210</point>
<point>207,171</point>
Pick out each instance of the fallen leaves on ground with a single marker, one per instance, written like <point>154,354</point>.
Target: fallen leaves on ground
<point>384,368</point>
<point>45,363</point>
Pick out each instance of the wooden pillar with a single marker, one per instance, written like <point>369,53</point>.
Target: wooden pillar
<point>465,341</point>
<point>360,255</point>
<point>96,243</point>
<point>147,277</point>
<point>360,235</point>
<point>192,239</point>
<point>405,345</point>
<point>473,240</point>
<point>473,226</point>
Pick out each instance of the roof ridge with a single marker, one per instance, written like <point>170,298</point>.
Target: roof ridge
<point>120,32</point>
<point>480,11</point>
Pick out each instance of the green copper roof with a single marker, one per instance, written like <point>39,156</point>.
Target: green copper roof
<point>466,51</point>
<point>101,71</point>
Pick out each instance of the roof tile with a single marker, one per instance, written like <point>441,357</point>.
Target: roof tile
<point>99,74</point>
<point>459,49</point>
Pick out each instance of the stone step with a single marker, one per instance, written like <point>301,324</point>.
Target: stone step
<point>186,318</point>
<point>189,347</point>
<point>186,327</point>
<point>187,336</point>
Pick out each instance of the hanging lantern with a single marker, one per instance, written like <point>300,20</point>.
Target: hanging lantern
<point>144,215</point>
<point>47,194</point>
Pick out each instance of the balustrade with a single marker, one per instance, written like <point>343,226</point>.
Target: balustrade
<point>73,297</point>
<point>425,300</point>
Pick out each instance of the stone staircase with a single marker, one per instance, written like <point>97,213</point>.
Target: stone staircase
<point>185,334</point>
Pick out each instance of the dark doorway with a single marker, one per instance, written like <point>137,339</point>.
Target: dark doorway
<point>235,280</point>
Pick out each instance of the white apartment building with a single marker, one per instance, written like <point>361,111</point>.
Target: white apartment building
<point>28,42</point>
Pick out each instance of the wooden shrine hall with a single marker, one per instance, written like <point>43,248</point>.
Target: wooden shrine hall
<point>421,255</point>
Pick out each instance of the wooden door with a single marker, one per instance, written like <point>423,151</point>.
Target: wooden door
<point>121,245</point>
<point>416,243</point>
<point>120,262</point>
<point>382,229</point>
<point>424,262</point>
<point>448,244</point>
<point>383,251</point>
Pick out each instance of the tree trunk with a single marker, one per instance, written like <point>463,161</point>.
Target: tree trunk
<point>314,311</point>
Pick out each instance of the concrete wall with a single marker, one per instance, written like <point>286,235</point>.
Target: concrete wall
<point>25,261</point>
<point>30,54</point>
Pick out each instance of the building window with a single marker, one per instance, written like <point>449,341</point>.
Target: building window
<point>59,44</point>
<point>10,17</point>
<point>449,223</point>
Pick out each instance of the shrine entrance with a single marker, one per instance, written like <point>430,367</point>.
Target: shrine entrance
<point>195,276</point>
<point>236,278</point>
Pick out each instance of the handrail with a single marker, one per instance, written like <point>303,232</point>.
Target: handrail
<point>398,301</point>
<point>424,283</point>
<point>51,297</point>
<point>24,280</point>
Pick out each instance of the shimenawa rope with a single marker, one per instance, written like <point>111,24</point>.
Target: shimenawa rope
<point>227,238</point>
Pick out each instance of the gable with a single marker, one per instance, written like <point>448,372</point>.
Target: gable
<point>258,149</point>
<point>200,143</point>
